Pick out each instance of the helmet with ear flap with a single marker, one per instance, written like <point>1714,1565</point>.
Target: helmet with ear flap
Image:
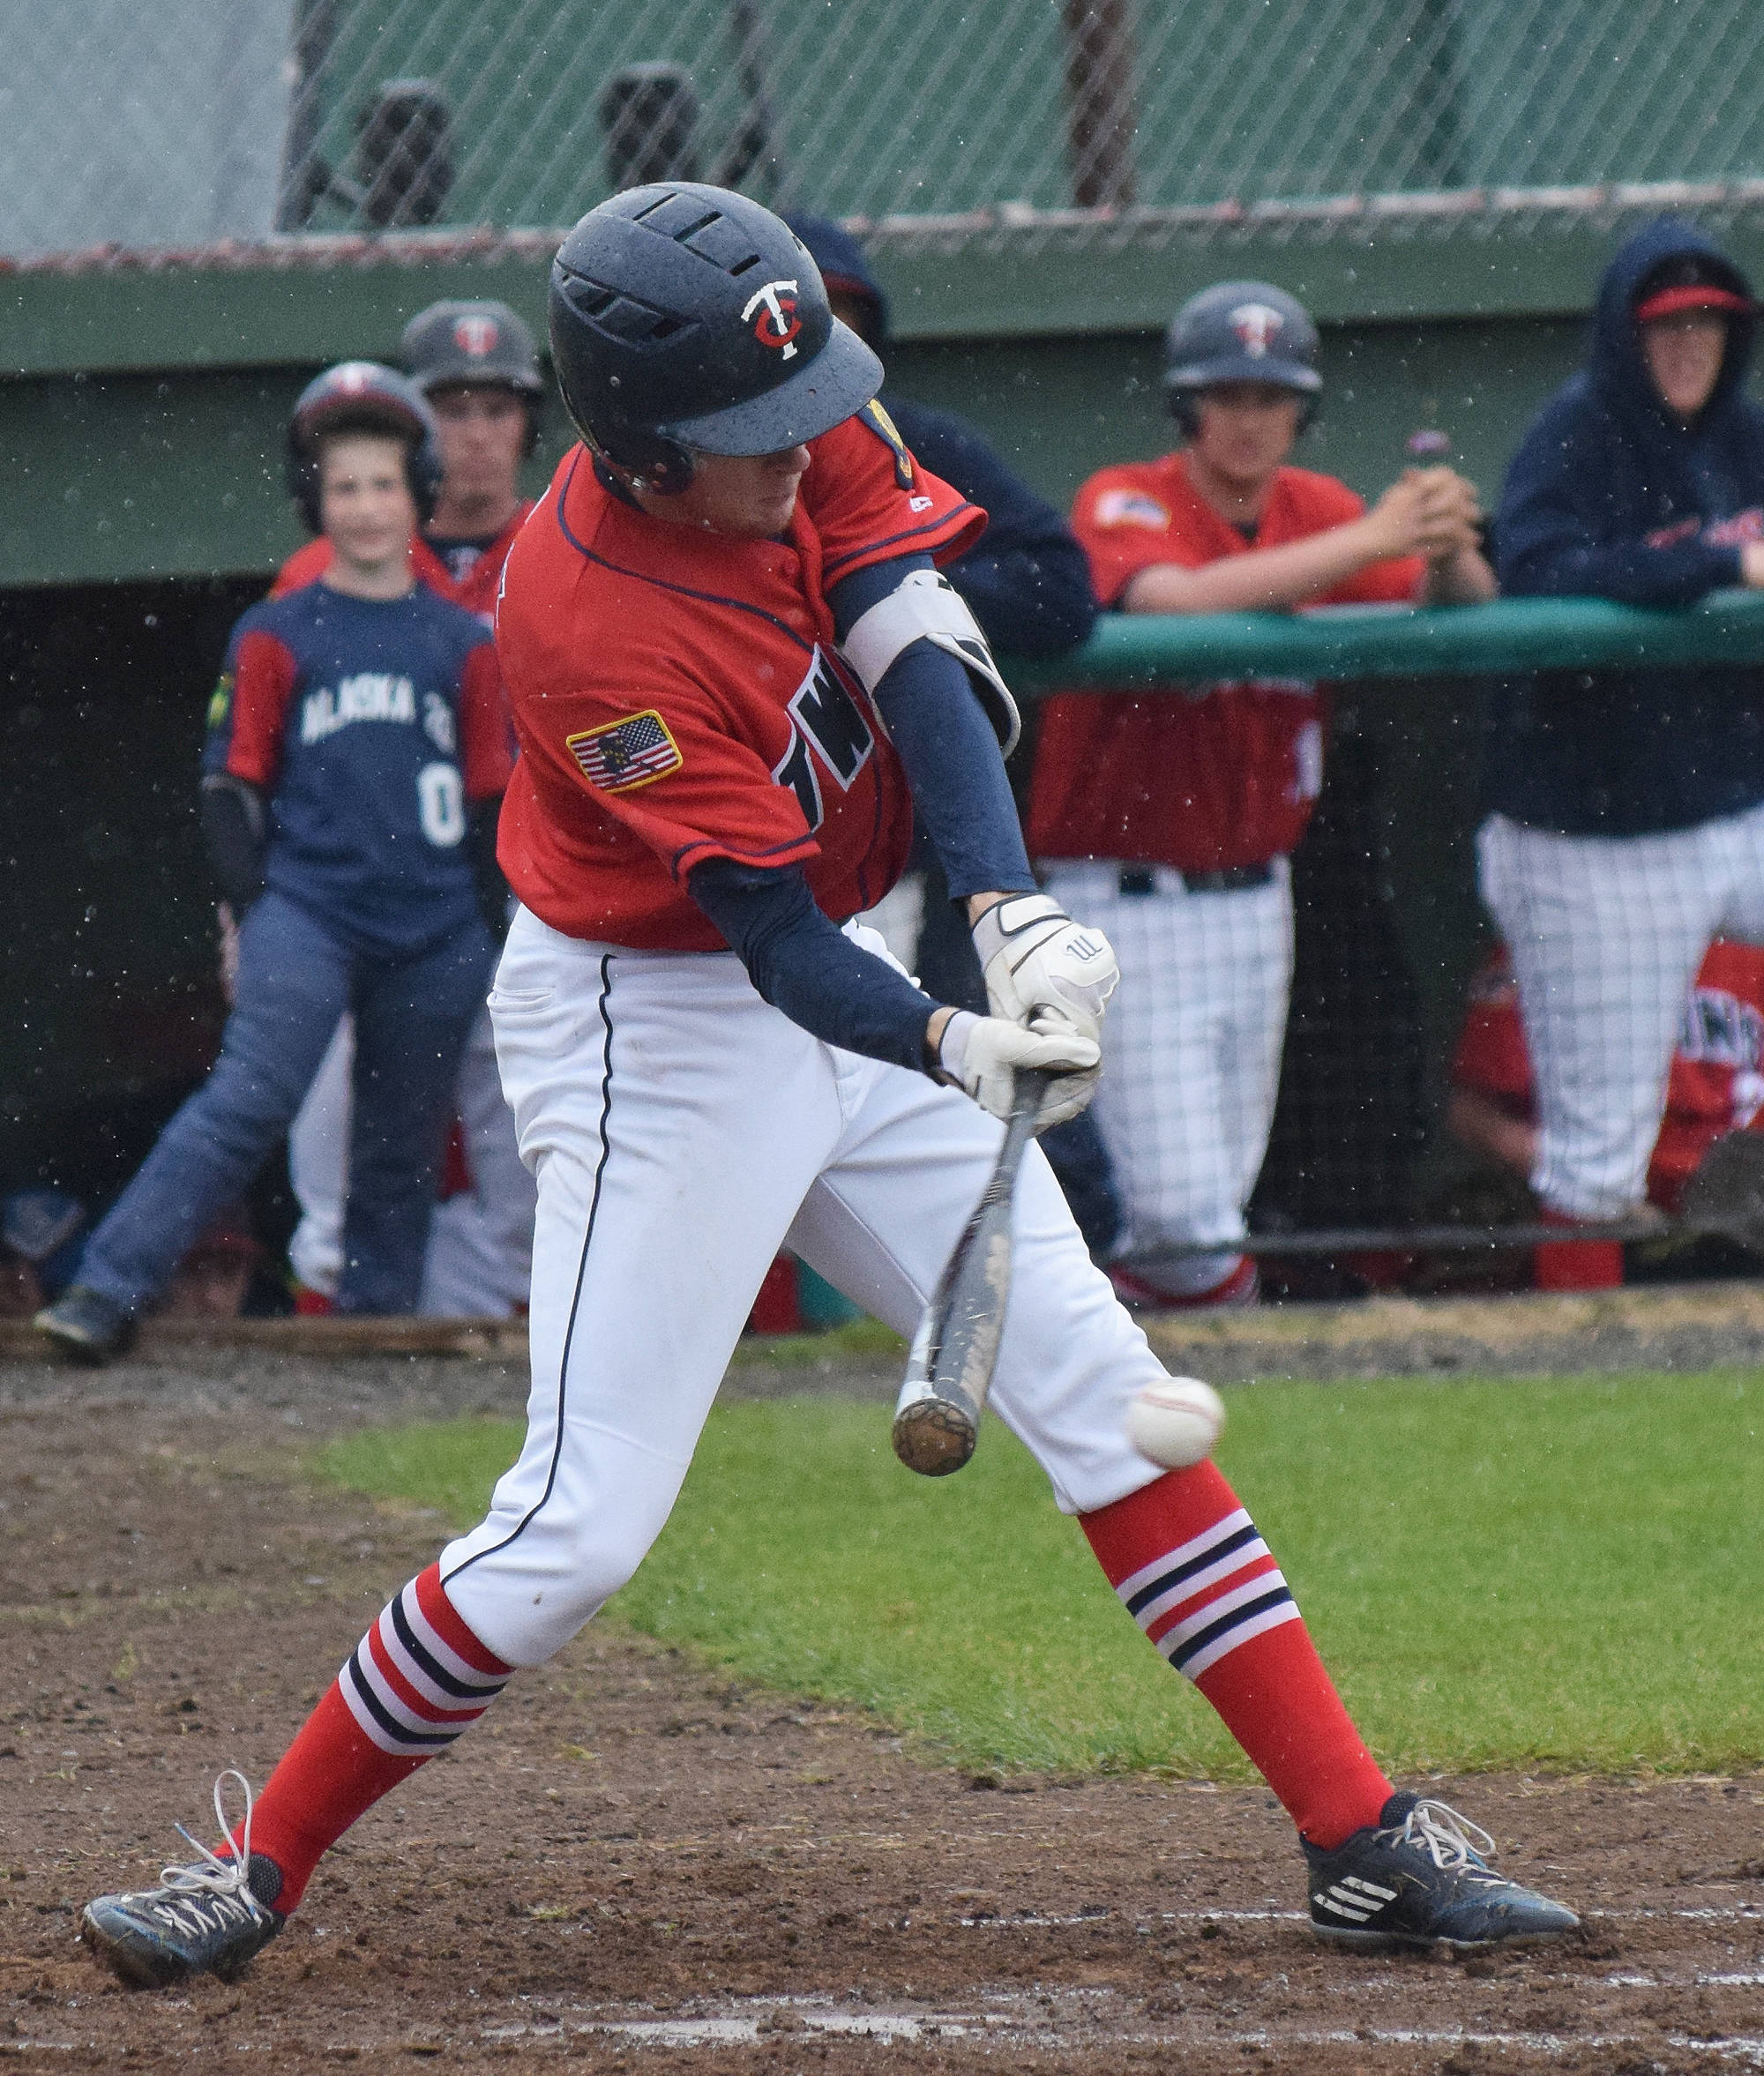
<point>1241,331</point>
<point>689,319</point>
<point>362,396</point>
<point>477,345</point>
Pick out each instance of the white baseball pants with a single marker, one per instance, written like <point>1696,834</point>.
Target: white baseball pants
<point>1190,1054</point>
<point>1606,935</point>
<point>681,1131</point>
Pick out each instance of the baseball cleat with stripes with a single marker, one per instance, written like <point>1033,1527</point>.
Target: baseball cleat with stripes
<point>212,1917</point>
<point>1420,1878</point>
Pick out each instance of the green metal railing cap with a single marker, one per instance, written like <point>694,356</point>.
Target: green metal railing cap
<point>1406,641</point>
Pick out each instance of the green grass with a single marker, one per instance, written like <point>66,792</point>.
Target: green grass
<point>1559,1574</point>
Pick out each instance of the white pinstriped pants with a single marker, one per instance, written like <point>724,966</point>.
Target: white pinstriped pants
<point>681,1131</point>
<point>1190,1053</point>
<point>1606,935</point>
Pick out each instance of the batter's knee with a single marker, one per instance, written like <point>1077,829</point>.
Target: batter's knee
<point>525,1597</point>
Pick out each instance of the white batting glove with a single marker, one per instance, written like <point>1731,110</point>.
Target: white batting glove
<point>1043,969</point>
<point>982,1053</point>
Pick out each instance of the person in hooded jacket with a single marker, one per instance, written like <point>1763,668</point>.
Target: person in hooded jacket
<point>1626,825</point>
<point>1027,583</point>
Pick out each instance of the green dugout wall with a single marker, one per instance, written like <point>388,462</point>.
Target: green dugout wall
<point>141,411</point>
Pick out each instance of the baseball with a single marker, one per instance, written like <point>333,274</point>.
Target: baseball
<point>1176,1421</point>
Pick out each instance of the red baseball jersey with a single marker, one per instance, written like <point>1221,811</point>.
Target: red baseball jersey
<point>1211,775</point>
<point>473,585</point>
<point>677,698</point>
<point>1716,1084</point>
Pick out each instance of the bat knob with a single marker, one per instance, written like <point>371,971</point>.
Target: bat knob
<point>933,1437</point>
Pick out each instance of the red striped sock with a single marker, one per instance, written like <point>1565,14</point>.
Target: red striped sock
<point>414,1682</point>
<point>1194,1572</point>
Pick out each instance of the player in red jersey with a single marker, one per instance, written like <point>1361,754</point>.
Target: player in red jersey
<point>1715,1084</point>
<point>477,365</point>
<point>729,651</point>
<point>1169,817</point>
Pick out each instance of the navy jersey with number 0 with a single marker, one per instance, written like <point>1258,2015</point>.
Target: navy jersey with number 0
<point>370,724</point>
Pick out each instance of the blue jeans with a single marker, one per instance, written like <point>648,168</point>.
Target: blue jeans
<point>296,979</point>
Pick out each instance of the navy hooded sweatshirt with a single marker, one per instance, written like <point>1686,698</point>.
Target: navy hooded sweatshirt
<point>1027,581</point>
<point>1611,497</point>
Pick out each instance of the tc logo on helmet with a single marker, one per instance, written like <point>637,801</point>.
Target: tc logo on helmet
<point>1257,325</point>
<point>475,335</point>
<point>772,311</point>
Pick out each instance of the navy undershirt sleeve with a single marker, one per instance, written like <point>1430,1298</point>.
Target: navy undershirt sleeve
<point>945,743</point>
<point>802,963</point>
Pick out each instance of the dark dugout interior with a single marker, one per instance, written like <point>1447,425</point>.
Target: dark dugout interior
<point>108,932</point>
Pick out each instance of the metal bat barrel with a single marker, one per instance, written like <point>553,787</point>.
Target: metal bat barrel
<point>949,1369</point>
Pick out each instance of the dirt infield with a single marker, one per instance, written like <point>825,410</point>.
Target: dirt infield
<point>632,1864</point>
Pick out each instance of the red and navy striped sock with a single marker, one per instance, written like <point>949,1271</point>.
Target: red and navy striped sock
<point>1192,1569</point>
<point>413,1682</point>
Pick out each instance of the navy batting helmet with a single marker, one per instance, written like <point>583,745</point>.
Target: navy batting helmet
<point>362,396</point>
<point>686,317</point>
<point>1240,331</point>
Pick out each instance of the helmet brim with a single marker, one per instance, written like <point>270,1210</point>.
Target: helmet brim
<point>1292,374</point>
<point>359,414</point>
<point>833,386</point>
<point>470,375</point>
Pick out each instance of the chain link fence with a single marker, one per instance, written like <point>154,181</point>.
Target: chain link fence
<point>195,121</point>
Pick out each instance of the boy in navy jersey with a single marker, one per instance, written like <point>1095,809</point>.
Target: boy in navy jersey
<point>357,750</point>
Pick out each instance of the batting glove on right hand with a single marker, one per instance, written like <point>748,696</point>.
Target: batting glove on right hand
<point>1043,969</point>
<point>982,1053</point>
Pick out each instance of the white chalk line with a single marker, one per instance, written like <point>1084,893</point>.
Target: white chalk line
<point>1029,1920</point>
<point>1056,2019</point>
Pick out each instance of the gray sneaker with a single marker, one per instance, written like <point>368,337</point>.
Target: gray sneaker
<point>85,1325</point>
<point>213,1917</point>
<point>1420,1877</point>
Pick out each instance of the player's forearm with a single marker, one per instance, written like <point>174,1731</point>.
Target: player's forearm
<point>1461,580</point>
<point>953,768</point>
<point>1557,565</point>
<point>803,964</point>
<point>1267,580</point>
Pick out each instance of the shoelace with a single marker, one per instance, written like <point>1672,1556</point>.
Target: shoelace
<point>209,1875</point>
<point>1447,1839</point>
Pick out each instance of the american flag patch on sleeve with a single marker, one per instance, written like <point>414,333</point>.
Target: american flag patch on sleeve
<point>626,753</point>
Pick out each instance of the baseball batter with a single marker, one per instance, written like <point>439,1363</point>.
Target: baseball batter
<point>477,365</point>
<point>1169,818</point>
<point>729,656</point>
<point>1626,807</point>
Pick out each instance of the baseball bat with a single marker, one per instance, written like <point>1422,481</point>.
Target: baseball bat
<point>949,1369</point>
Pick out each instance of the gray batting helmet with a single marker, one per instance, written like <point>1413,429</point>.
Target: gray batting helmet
<point>479,343</point>
<point>1240,331</point>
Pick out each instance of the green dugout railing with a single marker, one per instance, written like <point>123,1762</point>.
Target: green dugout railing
<point>1129,650</point>
<point>1409,641</point>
